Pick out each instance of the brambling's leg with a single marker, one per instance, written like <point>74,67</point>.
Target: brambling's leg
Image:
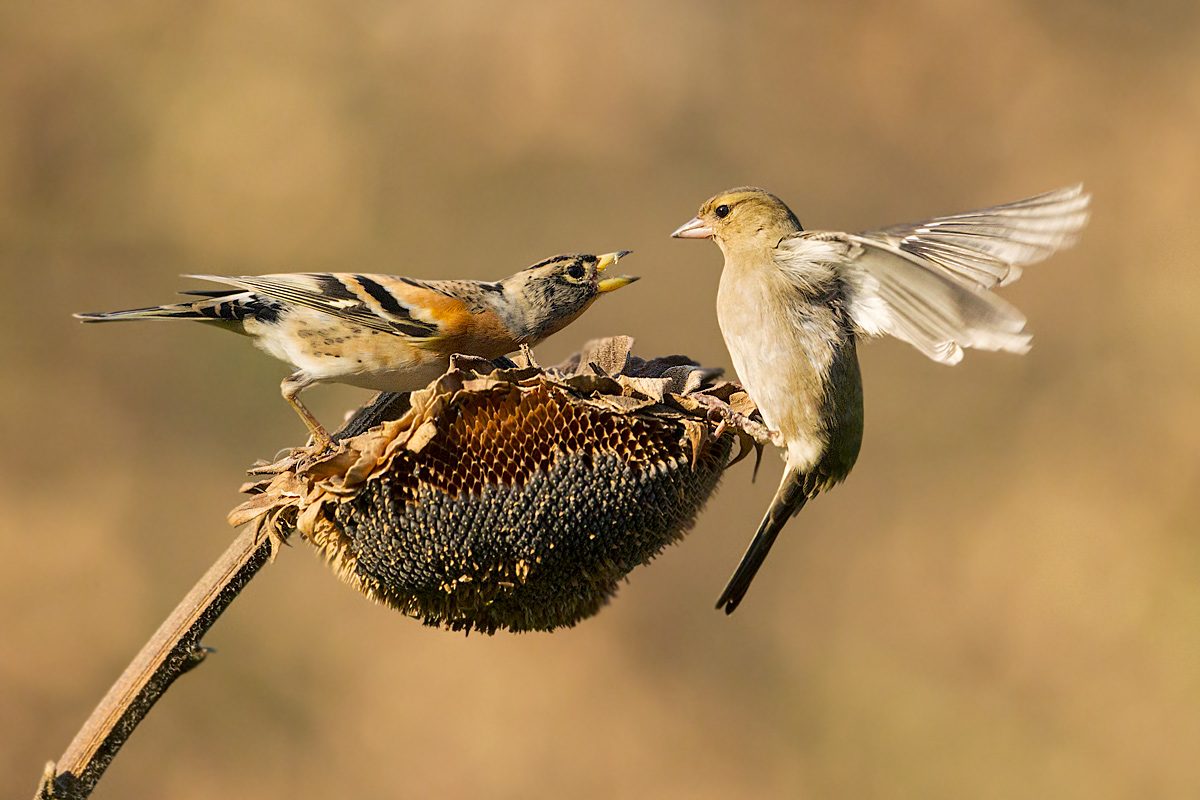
<point>527,352</point>
<point>292,386</point>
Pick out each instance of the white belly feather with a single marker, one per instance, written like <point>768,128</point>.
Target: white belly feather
<point>346,353</point>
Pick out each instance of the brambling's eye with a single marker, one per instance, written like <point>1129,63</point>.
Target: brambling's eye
<point>575,271</point>
<point>722,211</point>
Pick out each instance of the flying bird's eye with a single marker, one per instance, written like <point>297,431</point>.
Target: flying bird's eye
<point>575,271</point>
<point>722,211</point>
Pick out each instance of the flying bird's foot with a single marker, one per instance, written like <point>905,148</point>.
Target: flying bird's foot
<point>724,416</point>
<point>719,430</point>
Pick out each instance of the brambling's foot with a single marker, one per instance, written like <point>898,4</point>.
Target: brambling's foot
<point>320,441</point>
<point>319,445</point>
<point>285,459</point>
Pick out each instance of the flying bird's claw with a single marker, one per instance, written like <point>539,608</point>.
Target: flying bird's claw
<point>724,416</point>
<point>719,431</point>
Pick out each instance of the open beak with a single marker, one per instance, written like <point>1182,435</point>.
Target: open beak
<point>694,228</point>
<point>614,283</point>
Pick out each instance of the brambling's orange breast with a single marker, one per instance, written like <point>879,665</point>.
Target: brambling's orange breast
<point>466,329</point>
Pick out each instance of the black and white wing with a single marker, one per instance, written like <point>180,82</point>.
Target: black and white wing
<point>380,302</point>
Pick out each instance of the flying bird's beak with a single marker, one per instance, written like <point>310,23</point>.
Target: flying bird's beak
<point>694,228</point>
<point>612,284</point>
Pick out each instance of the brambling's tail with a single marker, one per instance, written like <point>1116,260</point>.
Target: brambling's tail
<point>176,311</point>
<point>219,305</point>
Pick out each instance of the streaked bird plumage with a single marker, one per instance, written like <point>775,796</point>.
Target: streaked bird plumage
<point>792,305</point>
<point>385,332</point>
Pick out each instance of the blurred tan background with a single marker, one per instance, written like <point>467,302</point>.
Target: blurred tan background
<point>1002,601</point>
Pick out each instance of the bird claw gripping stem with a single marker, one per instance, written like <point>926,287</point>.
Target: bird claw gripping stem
<point>728,414</point>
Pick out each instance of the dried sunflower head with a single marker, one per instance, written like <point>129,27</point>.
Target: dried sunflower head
<point>513,498</point>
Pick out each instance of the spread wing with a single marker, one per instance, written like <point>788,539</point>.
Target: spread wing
<point>929,282</point>
<point>380,302</point>
<point>988,247</point>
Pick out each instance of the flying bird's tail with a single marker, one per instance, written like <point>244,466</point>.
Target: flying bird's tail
<point>793,493</point>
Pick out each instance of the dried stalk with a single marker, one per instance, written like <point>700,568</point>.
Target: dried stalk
<point>173,650</point>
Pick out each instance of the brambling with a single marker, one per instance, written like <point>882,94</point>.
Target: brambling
<point>792,305</point>
<point>388,333</point>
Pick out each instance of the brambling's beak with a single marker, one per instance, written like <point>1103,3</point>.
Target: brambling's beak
<point>694,228</point>
<point>612,284</point>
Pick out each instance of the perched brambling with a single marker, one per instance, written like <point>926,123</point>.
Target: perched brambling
<point>388,333</point>
<point>793,303</point>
